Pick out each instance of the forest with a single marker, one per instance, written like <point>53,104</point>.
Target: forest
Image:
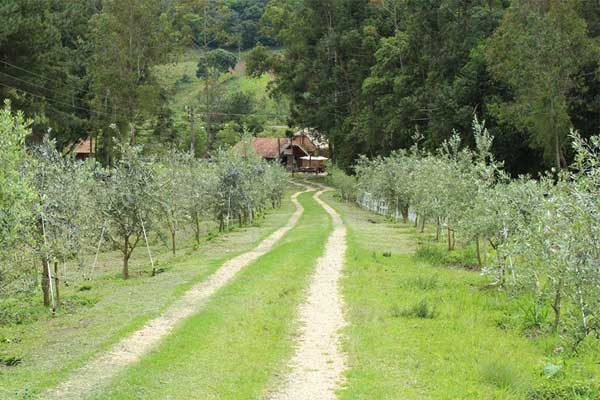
<point>451,250</point>
<point>364,74</point>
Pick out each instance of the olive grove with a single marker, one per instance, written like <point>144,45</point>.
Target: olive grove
<point>541,235</point>
<point>55,209</point>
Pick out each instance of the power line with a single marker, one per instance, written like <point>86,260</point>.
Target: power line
<point>32,84</point>
<point>57,101</point>
<point>32,73</point>
<point>123,115</point>
<point>246,114</point>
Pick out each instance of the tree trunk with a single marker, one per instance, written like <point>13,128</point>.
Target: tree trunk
<point>404,211</point>
<point>126,255</point>
<point>174,244</point>
<point>416,220</point>
<point>422,224</point>
<point>197,227</point>
<point>449,239</point>
<point>45,281</point>
<point>556,306</point>
<point>556,138</point>
<point>438,229</point>
<point>484,248</point>
<point>557,149</point>
<point>479,260</point>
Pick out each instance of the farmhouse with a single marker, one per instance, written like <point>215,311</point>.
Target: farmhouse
<point>84,148</point>
<point>298,153</point>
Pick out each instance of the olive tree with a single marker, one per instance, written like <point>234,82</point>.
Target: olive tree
<point>16,193</point>
<point>200,186</point>
<point>60,183</point>
<point>127,203</point>
<point>171,197</point>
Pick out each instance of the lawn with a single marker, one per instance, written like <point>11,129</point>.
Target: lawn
<point>234,348</point>
<point>96,314</point>
<point>419,330</point>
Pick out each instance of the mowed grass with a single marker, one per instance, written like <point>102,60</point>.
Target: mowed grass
<point>235,346</point>
<point>99,313</point>
<point>418,331</point>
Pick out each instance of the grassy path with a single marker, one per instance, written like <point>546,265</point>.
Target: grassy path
<point>98,314</point>
<point>318,363</point>
<point>419,331</point>
<point>235,346</point>
<point>100,370</point>
<point>271,318</point>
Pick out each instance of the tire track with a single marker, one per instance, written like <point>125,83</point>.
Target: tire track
<point>98,372</point>
<point>316,369</point>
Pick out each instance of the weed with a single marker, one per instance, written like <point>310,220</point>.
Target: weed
<point>534,315</point>
<point>561,390</point>
<point>502,375</point>
<point>422,310</point>
<point>437,255</point>
<point>10,361</point>
<point>426,282</point>
<point>18,311</point>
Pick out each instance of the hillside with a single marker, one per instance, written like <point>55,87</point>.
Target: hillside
<point>185,89</point>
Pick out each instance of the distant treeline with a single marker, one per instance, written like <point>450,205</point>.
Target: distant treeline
<point>370,73</point>
<point>80,68</point>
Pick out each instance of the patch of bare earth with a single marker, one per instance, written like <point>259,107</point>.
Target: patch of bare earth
<point>97,373</point>
<point>316,370</point>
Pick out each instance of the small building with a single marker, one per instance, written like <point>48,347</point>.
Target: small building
<point>298,153</point>
<point>84,148</point>
<point>313,163</point>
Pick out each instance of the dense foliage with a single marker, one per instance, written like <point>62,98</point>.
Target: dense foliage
<point>367,73</point>
<point>542,233</point>
<point>86,68</point>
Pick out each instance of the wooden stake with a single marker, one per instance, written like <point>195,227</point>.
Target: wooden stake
<point>98,251</point>
<point>148,247</point>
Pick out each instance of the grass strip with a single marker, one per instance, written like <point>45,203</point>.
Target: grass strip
<point>418,331</point>
<point>111,309</point>
<point>235,346</point>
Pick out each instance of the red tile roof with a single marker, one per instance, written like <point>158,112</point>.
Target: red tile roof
<point>273,147</point>
<point>85,146</point>
<point>269,147</point>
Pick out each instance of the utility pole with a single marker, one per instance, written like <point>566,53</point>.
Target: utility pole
<point>192,118</point>
<point>105,137</point>
<point>206,84</point>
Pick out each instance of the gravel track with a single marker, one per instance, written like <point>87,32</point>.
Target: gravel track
<point>99,371</point>
<point>317,367</point>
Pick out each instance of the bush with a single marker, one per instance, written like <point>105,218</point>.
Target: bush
<point>344,184</point>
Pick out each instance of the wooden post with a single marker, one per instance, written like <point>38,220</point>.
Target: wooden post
<point>98,250</point>
<point>193,130</point>
<point>45,281</point>
<point>148,246</point>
